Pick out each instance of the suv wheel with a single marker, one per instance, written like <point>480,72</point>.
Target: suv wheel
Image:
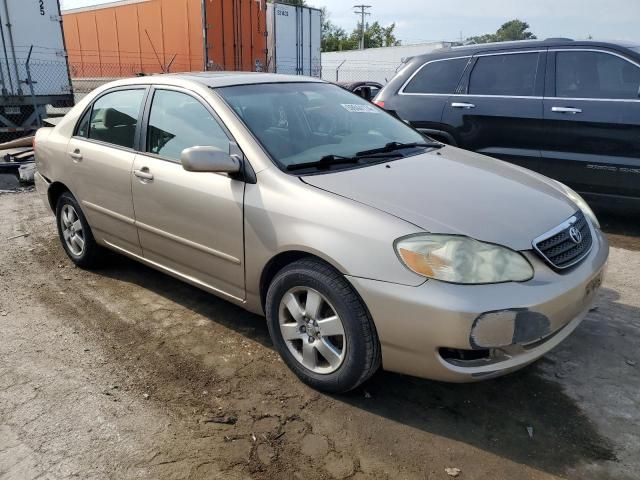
<point>75,233</point>
<point>321,328</point>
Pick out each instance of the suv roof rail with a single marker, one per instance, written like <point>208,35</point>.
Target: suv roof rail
<point>559,39</point>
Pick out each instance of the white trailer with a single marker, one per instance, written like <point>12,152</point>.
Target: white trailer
<point>34,71</point>
<point>294,39</point>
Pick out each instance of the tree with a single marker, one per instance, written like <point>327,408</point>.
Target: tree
<point>375,35</point>
<point>335,38</point>
<point>512,30</point>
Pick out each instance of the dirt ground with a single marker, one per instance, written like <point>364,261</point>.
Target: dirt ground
<point>127,373</point>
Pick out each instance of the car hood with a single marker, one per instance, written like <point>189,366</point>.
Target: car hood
<point>458,192</point>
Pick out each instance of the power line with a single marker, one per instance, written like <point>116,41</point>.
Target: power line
<point>362,12</point>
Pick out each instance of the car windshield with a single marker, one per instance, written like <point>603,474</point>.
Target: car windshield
<point>300,124</point>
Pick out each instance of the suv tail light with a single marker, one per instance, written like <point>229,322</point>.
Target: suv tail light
<point>379,103</point>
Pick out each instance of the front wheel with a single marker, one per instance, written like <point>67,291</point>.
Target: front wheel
<point>321,328</point>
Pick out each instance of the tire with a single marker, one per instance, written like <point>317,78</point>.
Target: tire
<point>75,234</point>
<point>300,284</point>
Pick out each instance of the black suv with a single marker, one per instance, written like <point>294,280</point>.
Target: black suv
<point>567,109</point>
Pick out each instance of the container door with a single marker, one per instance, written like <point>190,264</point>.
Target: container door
<point>37,24</point>
<point>315,35</point>
<point>286,41</point>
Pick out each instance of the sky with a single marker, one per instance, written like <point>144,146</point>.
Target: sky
<point>433,20</point>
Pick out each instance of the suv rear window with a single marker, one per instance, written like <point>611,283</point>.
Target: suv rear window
<point>440,76</point>
<point>583,74</point>
<point>506,74</point>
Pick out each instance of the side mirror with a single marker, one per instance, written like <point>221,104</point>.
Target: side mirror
<point>209,159</point>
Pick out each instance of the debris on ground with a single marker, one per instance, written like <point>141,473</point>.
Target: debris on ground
<point>453,472</point>
<point>530,431</point>
<point>27,172</point>
<point>18,236</point>
<point>631,362</point>
<point>225,420</point>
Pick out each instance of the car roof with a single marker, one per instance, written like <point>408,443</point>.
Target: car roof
<point>215,79</point>
<point>522,44</point>
<point>350,85</point>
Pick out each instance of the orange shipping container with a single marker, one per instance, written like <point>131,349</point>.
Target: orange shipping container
<point>153,36</point>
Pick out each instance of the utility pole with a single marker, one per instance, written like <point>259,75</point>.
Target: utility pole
<point>362,11</point>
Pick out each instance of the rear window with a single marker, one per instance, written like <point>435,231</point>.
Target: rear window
<point>440,76</point>
<point>115,116</point>
<point>509,75</point>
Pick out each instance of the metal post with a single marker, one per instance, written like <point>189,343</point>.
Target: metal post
<point>29,82</point>
<point>6,58</point>
<point>338,70</point>
<point>12,46</point>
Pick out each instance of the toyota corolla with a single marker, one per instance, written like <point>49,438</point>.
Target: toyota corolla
<point>364,243</point>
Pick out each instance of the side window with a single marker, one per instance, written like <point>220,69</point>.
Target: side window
<point>583,74</point>
<point>114,117</point>
<point>82,128</point>
<point>441,76</point>
<point>510,75</point>
<point>178,121</point>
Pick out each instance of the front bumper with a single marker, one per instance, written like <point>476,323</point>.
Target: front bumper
<point>503,326</point>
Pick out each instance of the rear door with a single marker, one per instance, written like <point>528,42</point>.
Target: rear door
<point>592,129</point>
<point>498,111</point>
<point>421,100</point>
<point>100,159</point>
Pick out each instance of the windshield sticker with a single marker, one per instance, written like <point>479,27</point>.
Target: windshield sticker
<point>357,108</point>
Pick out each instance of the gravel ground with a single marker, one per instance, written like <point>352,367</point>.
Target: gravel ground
<point>128,373</point>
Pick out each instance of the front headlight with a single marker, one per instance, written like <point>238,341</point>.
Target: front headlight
<point>580,203</point>
<point>458,259</point>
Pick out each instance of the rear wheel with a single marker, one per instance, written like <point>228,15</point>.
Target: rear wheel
<point>75,233</point>
<point>321,328</point>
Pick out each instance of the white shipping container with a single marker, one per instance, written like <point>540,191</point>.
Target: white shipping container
<point>37,23</point>
<point>294,39</point>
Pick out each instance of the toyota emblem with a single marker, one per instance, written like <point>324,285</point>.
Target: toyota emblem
<point>575,235</point>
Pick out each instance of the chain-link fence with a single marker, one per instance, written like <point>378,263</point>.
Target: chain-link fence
<point>358,70</point>
<point>34,89</point>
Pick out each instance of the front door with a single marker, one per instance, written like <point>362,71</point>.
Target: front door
<point>592,114</point>
<point>189,223</point>
<point>101,154</point>
<point>499,112</point>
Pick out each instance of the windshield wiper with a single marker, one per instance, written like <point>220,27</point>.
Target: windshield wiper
<point>325,162</point>
<point>329,160</point>
<point>394,146</point>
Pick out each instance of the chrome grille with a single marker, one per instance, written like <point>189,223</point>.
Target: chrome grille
<point>562,247</point>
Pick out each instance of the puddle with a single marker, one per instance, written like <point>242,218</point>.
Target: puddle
<point>9,181</point>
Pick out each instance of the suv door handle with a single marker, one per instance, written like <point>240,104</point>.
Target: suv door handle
<point>569,110</point>
<point>76,155</point>
<point>464,105</point>
<point>143,174</point>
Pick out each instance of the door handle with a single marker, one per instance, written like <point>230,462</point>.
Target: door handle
<point>466,106</point>
<point>76,155</point>
<point>143,174</point>
<point>569,110</point>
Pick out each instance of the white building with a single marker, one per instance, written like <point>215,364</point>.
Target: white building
<point>374,64</point>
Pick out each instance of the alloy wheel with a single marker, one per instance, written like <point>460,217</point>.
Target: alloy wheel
<point>312,330</point>
<point>72,230</point>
